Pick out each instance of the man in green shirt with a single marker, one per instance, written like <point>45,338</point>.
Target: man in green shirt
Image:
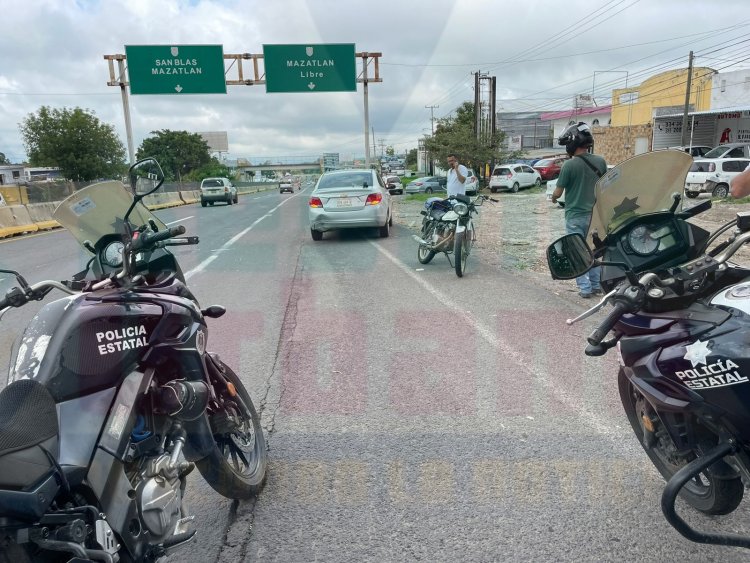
<point>578,178</point>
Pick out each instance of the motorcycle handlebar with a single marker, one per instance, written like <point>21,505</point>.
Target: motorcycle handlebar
<point>596,337</point>
<point>145,239</point>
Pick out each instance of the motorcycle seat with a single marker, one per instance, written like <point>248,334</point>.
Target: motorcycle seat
<point>28,434</point>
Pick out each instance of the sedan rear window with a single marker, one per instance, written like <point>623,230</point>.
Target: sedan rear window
<point>700,166</point>
<point>363,180</point>
<point>501,171</point>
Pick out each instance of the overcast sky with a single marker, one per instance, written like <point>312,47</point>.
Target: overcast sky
<point>542,53</point>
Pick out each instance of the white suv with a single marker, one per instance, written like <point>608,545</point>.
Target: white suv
<point>713,176</point>
<point>514,176</point>
<point>218,189</point>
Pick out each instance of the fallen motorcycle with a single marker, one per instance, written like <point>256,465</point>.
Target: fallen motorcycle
<point>112,399</point>
<point>448,227</point>
<point>679,322</point>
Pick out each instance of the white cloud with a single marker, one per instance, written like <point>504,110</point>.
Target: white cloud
<point>52,55</point>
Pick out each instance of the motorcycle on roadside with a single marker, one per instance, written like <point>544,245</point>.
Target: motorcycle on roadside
<point>112,399</point>
<point>679,324</point>
<point>448,227</point>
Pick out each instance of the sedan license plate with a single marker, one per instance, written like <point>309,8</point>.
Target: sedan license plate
<point>344,202</point>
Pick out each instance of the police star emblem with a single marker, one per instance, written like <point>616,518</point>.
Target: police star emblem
<point>697,353</point>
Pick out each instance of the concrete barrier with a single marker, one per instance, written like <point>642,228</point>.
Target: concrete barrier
<point>14,220</point>
<point>41,215</point>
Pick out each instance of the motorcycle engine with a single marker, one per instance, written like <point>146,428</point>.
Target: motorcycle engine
<point>159,497</point>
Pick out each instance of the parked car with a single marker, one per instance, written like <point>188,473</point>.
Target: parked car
<point>218,189</point>
<point>350,198</point>
<point>713,176</point>
<point>513,177</point>
<point>549,168</point>
<point>730,150</point>
<point>694,151</point>
<point>426,185</point>
<point>394,185</point>
<point>552,184</point>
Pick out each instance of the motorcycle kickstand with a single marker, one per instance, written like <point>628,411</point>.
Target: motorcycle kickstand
<point>675,484</point>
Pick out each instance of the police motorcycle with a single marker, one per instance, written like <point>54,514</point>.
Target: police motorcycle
<point>448,226</point>
<point>679,321</point>
<point>112,399</point>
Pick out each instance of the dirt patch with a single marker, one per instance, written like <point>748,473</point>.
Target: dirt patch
<point>515,232</point>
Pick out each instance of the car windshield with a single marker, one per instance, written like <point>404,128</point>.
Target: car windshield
<point>98,210</point>
<point>347,180</point>
<point>543,163</point>
<point>716,152</point>
<point>501,171</point>
<point>639,186</point>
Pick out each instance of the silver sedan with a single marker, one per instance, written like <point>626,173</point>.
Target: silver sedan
<point>346,199</point>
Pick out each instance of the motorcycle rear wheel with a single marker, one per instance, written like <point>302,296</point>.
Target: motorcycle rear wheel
<point>708,492</point>
<point>236,468</point>
<point>424,254</point>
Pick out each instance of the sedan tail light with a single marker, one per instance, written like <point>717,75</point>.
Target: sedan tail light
<point>374,199</point>
<point>226,190</point>
<point>315,202</point>
<point>417,183</point>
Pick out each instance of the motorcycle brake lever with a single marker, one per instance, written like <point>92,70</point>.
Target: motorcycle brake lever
<point>593,309</point>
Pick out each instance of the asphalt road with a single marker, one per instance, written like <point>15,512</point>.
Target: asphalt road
<point>410,414</point>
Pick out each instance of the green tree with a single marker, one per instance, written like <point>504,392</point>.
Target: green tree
<point>214,169</point>
<point>178,152</point>
<point>75,141</point>
<point>411,157</point>
<point>3,160</point>
<point>456,135</point>
<point>390,151</point>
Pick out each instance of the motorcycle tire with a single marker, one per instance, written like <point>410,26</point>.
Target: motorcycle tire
<point>222,468</point>
<point>460,252</point>
<point>708,492</point>
<point>424,254</point>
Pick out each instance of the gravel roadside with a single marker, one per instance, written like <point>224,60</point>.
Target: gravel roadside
<point>514,233</point>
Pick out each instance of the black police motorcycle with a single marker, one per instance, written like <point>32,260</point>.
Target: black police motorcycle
<point>112,399</point>
<point>448,227</point>
<point>680,323</point>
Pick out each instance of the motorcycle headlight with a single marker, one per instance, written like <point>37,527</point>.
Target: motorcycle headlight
<point>461,208</point>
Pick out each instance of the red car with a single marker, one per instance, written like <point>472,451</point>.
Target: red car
<point>549,168</point>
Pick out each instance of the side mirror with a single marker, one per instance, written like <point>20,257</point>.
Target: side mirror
<point>146,176</point>
<point>569,257</point>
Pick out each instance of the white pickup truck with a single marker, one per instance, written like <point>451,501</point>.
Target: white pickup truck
<point>286,184</point>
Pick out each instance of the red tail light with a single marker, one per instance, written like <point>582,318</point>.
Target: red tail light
<point>510,176</point>
<point>417,183</point>
<point>315,202</point>
<point>374,199</point>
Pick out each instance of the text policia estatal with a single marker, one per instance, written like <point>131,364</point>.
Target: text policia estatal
<point>118,340</point>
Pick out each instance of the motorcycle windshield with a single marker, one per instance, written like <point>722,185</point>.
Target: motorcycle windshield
<point>639,186</point>
<point>98,210</point>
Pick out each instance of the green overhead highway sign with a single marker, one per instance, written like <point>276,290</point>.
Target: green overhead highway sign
<point>176,69</point>
<point>310,68</point>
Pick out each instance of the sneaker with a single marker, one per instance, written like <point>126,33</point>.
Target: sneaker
<point>584,295</point>
<point>598,291</point>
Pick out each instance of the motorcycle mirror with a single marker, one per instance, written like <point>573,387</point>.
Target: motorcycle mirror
<point>146,176</point>
<point>569,257</point>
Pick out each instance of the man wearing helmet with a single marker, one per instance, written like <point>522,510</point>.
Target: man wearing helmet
<point>578,178</point>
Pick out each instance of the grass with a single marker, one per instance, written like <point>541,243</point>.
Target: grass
<point>730,200</point>
<point>418,197</point>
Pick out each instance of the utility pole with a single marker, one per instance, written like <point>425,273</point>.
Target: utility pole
<point>687,102</point>
<point>432,116</point>
<point>382,146</point>
<point>477,113</point>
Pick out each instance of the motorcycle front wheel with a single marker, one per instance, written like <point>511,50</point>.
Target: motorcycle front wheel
<point>709,492</point>
<point>461,249</point>
<point>236,468</point>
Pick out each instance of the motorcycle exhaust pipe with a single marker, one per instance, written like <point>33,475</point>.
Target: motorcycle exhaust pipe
<point>421,241</point>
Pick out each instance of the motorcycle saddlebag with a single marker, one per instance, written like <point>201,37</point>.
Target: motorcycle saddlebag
<point>28,447</point>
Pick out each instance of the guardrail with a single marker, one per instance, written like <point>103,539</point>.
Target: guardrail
<point>34,217</point>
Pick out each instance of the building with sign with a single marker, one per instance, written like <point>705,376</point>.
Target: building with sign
<point>706,128</point>
<point>527,130</point>
<point>593,116</point>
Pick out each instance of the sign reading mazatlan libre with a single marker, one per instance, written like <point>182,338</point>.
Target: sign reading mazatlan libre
<point>328,67</point>
<point>176,69</point>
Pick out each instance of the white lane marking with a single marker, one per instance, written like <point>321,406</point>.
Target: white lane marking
<point>179,220</point>
<point>202,266</point>
<point>503,346</point>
